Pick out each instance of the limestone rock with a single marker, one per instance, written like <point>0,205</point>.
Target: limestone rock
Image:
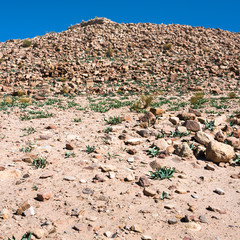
<point>219,152</point>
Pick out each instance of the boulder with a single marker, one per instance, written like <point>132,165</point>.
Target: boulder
<point>219,152</point>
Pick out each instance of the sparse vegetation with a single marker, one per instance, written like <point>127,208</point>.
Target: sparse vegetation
<point>90,149</point>
<point>163,173</point>
<point>113,120</point>
<point>153,151</point>
<point>69,154</point>
<point>209,125</point>
<point>26,43</point>
<point>40,162</point>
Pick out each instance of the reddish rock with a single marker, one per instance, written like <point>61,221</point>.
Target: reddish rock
<point>44,196</point>
<point>69,146</point>
<point>193,126</point>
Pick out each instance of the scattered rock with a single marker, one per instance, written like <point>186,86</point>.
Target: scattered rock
<point>219,152</point>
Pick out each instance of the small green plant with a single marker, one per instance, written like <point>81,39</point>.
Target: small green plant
<point>110,156</point>
<point>177,133</point>
<point>69,154</point>
<point>90,149</point>
<point>35,187</point>
<point>40,162</point>
<point>113,120</point>
<point>26,43</point>
<point>209,125</point>
<point>153,151</point>
<point>108,130</point>
<point>28,148</point>
<point>163,173</point>
<point>77,119</point>
<point>164,195</point>
<point>28,131</point>
<point>26,236</point>
<point>161,135</point>
<point>237,159</point>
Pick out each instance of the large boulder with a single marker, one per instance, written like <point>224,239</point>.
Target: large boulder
<point>219,152</point>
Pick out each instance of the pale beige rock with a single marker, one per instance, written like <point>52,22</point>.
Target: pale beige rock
<point>203,138</point>
<point>219,152</point>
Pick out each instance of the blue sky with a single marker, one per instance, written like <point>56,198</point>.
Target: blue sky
<point>23,18</point>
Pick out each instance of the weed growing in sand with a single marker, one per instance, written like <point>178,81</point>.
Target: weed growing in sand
<point>237,159</point>
<point>77,119</point>
<point>90,149</point>
<point>153,151</point>
<point>35,187</point>
<point>108,130</point>
<point>163,173</point>
<point>209,125</point>
<point>161,135</point>
<point>28,131</point>
<point>164,195</point>
<point>28,148</point>
<point>40,162</point>
<point>177,133</point>
<point>26,236</point>
<point>35,115</point>
<point>69,154</point>
<point>113,120</point>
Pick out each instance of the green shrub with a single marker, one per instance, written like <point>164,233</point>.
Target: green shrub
<point>26,43</point>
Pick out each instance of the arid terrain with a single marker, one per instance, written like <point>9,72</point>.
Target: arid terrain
<point>121,131</point>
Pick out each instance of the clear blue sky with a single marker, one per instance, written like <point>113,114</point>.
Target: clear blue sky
<point>24,18</point>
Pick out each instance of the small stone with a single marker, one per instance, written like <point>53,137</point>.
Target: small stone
<point>144,181</point>
<point>146,237</point>
<point>51,127</point>
<point>193,226</point>
<point>44,196</point>
<point>168,206</point>
<point>108,234</point>
<point>38,233</point>
<point>47,174</point>
<point>78,227</point>
<point>172,221</point>
<point>183,150</point>
<point>134,141</point>
<point>203,219</point>
<point>149,192</point>
<point>130,178</point>
<point>194,126</point>
<point>111,175</point>
<point>4,214</point>
<point>156,164</point>
<point>219,191</point>
<point>194,196</point>
<point>157,111</point>
<point>219,136</point>
<point>98,178</point>
<point>69,146</point>
<point>91,218</point>
<point>174,120</point>
<point>180,191</point>
<point>235,176</point>
<point>69,178</point>
<point>87,191</point>
<point>29,212</point>
<point>23,207</point>
<point>44,137</point>
<point>136,228</point>
<point>209,167</point>
<point>108,168</point>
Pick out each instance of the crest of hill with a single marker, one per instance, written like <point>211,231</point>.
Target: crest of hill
<point>170,57</point>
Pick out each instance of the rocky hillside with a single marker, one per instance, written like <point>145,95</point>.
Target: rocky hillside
<point>108,56</point>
